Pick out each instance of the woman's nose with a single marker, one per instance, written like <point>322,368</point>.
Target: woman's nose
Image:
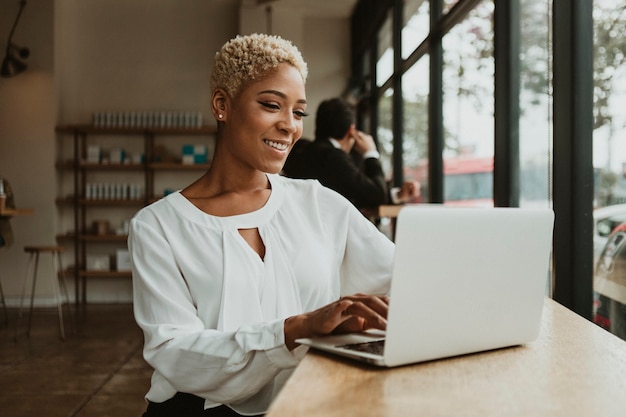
<point>288,122</point>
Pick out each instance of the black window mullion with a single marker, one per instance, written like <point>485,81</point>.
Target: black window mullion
<point>506,188</point>
<point>573,164</point>
<point>435,105</point>
<point>398,99</point>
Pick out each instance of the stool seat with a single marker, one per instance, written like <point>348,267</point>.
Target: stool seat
<point>58,279</point>
<point>44,249</point>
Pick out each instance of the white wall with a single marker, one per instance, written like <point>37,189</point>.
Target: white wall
<point>117,55</point>
<point>27,119</point>
<point>137,55</point>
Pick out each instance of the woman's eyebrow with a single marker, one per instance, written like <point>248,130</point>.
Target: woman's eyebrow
<point>279,94</point>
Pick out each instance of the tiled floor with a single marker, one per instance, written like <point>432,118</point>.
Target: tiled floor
<point>98,371</point>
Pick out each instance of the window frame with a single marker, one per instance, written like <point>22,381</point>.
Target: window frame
<point>572,165</point>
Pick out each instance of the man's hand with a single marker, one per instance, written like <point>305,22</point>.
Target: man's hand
<point>363,142</point>
<point>409,191</point>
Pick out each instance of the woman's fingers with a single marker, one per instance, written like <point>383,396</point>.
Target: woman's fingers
<point>355,313</point>
<point>377,303</point>
<point>361,312</point>
<point>371,314</point>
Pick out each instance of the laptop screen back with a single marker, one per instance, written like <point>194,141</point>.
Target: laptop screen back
<point>466,280</point>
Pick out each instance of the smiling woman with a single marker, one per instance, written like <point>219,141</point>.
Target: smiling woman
<point>261,125</point>
<point>230,271</point>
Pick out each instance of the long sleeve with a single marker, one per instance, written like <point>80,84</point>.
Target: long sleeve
<point>212,311</point>
<point>365,188</point>
<point>222,366</point>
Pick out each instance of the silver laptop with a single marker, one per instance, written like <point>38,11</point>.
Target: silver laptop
<point>465,280</point>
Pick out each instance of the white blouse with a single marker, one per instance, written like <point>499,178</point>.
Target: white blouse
<point>212,311</point>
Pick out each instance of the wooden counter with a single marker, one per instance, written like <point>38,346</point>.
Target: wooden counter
<point>574,368</point>
<point>390,211</point>
<point>16,212</point>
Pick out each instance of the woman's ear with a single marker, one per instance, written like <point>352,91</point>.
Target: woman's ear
<point>219,105</point>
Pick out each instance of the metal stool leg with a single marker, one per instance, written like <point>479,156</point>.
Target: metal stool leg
<point>61,291</point>
<point>57,293</point>
<point>29,267</point>
<point>32,293</point>
<point>58,282</point>
<point>61,278</point>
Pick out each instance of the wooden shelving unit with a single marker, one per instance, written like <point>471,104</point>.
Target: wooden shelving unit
<point>77,204</point>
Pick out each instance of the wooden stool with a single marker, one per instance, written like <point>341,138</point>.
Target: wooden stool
<point>58,282</point>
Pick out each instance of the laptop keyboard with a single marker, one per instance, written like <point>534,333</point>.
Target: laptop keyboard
<point>375,347</point>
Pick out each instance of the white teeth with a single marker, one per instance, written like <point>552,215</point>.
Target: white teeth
<point>276,145</point>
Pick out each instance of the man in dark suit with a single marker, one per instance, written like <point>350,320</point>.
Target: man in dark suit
<point>328,159</point>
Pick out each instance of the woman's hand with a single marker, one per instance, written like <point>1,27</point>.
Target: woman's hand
<point>355,313</point>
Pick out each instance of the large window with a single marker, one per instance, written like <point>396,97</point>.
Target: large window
<point>468,109</point>
<point>609,136</point>
<point>415,125</point>
<point>384,64</point>
<point>609,161</point>
<point>491,114</point>
<point>415,26</point>
<point>535,126</point>
<point>415,91</point>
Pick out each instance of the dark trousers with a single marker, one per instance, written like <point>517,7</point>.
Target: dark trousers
<point>187,405</point>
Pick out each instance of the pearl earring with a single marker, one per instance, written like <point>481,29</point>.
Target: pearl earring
<point>219,116</point>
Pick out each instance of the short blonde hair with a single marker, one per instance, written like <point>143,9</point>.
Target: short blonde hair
<point>252,57</point>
